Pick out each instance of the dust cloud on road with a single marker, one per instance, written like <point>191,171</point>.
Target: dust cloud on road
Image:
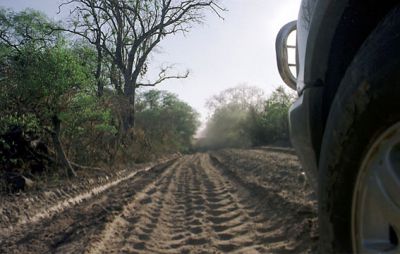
<point>229,201</point>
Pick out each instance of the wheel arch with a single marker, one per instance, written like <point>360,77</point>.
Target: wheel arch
<point>331,51</point>
<point>365,105</point>
<point>358,21</point>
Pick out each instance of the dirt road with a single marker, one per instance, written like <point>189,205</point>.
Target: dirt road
<point>232,201</point>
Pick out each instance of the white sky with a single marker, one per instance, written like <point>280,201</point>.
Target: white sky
<point>220,53</point>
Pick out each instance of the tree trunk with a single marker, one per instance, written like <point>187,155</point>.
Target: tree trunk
<point>100,87</point>
<point>115,78</point>
<point>61,157</point>
<point>132,108</point>
<point>128,112</point>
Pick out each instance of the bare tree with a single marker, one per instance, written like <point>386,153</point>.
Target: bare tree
<point>128,31</point>
<point>243,96</point>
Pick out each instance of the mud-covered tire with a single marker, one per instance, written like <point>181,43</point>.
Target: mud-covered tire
<point>366,104</point>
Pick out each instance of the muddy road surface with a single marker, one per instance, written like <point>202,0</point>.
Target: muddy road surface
<point>230,201</point>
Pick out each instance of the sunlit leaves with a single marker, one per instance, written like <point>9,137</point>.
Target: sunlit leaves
<point>28,27</point>
<point>169,122</point>
<point>242,117</point>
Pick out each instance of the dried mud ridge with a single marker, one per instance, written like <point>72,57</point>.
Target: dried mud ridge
<point>199,203</point>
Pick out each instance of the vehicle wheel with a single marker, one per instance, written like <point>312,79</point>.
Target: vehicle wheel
<point>359,167</point>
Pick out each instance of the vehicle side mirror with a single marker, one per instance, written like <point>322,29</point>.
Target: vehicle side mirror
<point>282,47</point>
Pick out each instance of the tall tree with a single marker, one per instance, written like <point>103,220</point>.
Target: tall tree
<point>39,73</point>
<point>128,32</point>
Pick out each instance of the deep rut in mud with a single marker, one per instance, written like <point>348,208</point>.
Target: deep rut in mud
<point>192,205</point>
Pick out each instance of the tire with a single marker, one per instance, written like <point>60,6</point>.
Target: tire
<point>366,104</point>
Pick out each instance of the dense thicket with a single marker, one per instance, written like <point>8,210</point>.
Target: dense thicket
<point>52,115</point>
<point>242,117</point>
<point>168,122</point>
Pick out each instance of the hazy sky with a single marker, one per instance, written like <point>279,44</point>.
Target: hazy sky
<point>220,53</point>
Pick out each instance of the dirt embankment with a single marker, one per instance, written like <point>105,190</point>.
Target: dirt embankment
<point>232,201</point>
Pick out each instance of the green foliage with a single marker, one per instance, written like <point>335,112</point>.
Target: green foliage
<point>226,127</point>
<point>240,123</point>
<point>84,109</point>
<point>168,122</point>
<point>28,27</point>
<point>27,121</point>
<point>42,82</point>
<point>87,127</point>
<point>49,92</point>
<point>271,124</point>
<point>43,78</point>
<point>227,124</point>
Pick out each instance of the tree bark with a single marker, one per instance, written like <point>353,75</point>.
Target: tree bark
<point>61,157</point>
<point>128,114</point>
<point>100,87</point>
<point>116,79</point>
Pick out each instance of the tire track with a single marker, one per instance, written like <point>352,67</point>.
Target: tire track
<point>193,205</point>
<point>241,227</point>
<point>71,230</point>
<point>137,227</point>
<point>192,208</point>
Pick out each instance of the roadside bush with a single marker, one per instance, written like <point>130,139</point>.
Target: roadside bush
<point>62,105</point>
<point>226,128</point>
<point>88,130</point>
<point>248,122</point>
<point>270,125</point>
<point>168,123</point>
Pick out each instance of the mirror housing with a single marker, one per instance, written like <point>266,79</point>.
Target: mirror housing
<point>282,54</point>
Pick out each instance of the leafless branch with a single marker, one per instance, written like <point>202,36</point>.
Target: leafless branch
<point>163,75</point>
<point>127,32</point>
